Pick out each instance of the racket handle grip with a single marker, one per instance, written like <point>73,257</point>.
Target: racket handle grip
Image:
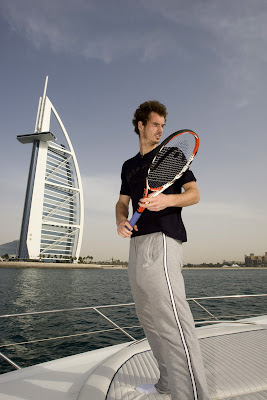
<point>135,218</point>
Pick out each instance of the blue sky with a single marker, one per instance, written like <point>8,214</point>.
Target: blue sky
<point>205,59</point>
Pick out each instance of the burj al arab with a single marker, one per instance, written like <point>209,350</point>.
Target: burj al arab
<point>53,216</point>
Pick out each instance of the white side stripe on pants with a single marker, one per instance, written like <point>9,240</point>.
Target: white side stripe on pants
<point>178,321</point>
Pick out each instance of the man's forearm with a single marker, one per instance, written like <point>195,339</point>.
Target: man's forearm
<point>122,212</point>
<point>124,229</point>
<point>185,199</point>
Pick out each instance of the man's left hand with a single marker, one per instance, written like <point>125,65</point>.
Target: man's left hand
<point>157,203</point>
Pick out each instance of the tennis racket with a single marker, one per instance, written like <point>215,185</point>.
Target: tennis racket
<point>173,158</point>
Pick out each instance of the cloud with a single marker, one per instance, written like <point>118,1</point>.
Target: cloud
<point>109,47</point>
<point>235,33</point>
<point>97,30</point>
<point>101,194</point>
<point>100,237</point>
<point>242,22</point>
<point>226,39</point>
<point>232,211</point>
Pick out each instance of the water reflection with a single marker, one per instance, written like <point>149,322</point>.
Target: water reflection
<point>25,290</point>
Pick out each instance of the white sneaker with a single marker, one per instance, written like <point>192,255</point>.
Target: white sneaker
<point>148,388</point>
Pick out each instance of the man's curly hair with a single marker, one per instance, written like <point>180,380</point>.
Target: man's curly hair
<point>143,112</point>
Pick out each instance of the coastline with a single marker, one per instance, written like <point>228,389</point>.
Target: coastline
<point>21,264</point>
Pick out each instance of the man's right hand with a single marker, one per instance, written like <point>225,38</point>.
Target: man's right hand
<point>125,229</point>
<point>122,209</point>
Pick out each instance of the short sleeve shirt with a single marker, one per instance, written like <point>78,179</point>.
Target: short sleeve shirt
<point>169,220</point>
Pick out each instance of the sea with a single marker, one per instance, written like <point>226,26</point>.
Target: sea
<point>36,289</point>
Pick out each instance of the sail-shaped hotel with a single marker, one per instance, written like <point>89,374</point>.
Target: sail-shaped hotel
<point>53,216</point>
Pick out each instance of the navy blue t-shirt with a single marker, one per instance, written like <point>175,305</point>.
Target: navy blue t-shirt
<point>168,221</point>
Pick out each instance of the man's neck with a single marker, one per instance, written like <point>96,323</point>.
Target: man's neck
<point>146,148</point>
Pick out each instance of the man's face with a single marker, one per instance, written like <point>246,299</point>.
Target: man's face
<point>152,131</point>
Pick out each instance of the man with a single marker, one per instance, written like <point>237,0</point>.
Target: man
<point>155,264</point>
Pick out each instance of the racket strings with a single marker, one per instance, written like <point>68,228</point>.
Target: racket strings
<point>171,160</point>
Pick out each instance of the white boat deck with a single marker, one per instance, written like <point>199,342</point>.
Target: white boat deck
<point>235,359</point>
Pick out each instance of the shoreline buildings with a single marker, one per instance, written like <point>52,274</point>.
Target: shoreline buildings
<point>256,261</point>
<point>53,216</point>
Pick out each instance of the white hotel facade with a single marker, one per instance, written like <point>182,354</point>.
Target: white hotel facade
<point>53,216</point>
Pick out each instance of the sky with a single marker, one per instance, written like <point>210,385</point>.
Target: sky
<point>206,60</point>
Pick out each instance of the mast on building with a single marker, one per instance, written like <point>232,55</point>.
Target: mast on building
<point>53,216</point>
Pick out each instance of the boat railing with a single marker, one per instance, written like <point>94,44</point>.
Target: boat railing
<point>99,310</point>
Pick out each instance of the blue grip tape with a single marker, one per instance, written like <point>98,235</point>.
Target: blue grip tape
<point>135,218</point>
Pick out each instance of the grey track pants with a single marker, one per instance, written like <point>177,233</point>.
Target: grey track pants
<point>157,284</point>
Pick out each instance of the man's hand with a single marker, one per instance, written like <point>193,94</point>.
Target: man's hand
<point>189,197</point>
<point>122,208</point>
<point>157,203</point>
<point>125,229</point>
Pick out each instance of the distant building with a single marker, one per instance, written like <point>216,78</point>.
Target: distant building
<point>232,263</point>
<point>256,261</point>
<point>53,216</point>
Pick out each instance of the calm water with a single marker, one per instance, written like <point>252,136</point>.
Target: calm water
<point>25,290</point>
